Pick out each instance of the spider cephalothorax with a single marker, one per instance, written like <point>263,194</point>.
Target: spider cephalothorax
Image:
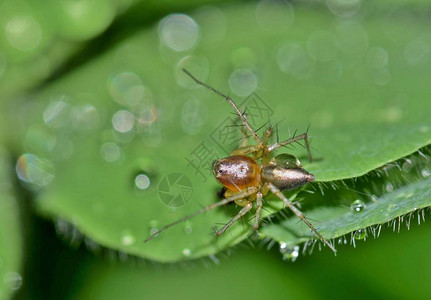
<point>237,172</point>
<point>249,173</point>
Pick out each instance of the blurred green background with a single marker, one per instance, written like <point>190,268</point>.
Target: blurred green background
<point>94,112</point>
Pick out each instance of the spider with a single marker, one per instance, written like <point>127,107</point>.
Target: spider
<point>246,182</point>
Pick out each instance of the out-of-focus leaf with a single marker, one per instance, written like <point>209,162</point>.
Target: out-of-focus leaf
<point>10,231</point>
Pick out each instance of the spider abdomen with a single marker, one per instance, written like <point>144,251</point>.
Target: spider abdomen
<point>286,178</point>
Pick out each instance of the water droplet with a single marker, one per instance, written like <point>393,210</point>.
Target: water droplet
<point>289,252</point>
<point>126,88</point>
<point>294,60</point>
<point>23,32</point>
<point>85,117</point>
<point>425,173</point>
<point>146,117</point>
<point>197,65</point>
<point>352,39</point>
<point>357,206</point>
<point>212,22</point>
<point>188,229</point>
<point>33,171</point>
<point>123,121</point>
<point>110,152</point>
<point>274,16</point>
<point>243,82</point>
<point>322,46</point>
<point>194,115</point>
<point>127,238</point>
<point>39,139</point>
<point>56,113</point>
<point>360,234</point>
<point>382,76</point>
<point>187,252</point>
<point>344,8</point>
<point>377,58</point>
<point>393,114</point>
<point>417,53</point>
<point>389,187</point>
<point>62,150</point>
<point>408,165</point>
<point>179,32</point>
<point>13,280</point>
<point>142,182</point>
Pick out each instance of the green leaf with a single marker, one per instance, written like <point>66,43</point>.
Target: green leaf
<point>363,95</point>
<point>10,231</point>
<point>404,205</point>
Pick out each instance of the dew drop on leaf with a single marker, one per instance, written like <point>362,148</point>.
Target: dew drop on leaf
<point>123,121</point>
<point>56,114</point>
<point>110,152</point>
<point>178,32</point>
<point>187,252</point>
<point>360,234</point>
<point>188,228</point>
<point>13,280</point>
<point>34,172</point>
<point>289,252</point>
<point>274,16</point>
<point>243,82</point>
<point>142,181</point>
<point>357,206</point>
<point>126,88</point>
<point>127,238</point>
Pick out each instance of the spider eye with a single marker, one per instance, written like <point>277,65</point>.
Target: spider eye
<point>287,161</point>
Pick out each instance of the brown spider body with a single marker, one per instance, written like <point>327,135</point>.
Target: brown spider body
<point>247,182</point>
<point>238,172</point>
<point>286,179</point>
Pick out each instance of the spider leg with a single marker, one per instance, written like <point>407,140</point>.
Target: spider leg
<point>258,209</point>
<point>240,195</point>
<point>298,213</point>
<point>230,100</point>
<point>292,140</point>
<point>245,136</point>
<point>258,151</point>
<point>246,150</point>
<point>241,213</point>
